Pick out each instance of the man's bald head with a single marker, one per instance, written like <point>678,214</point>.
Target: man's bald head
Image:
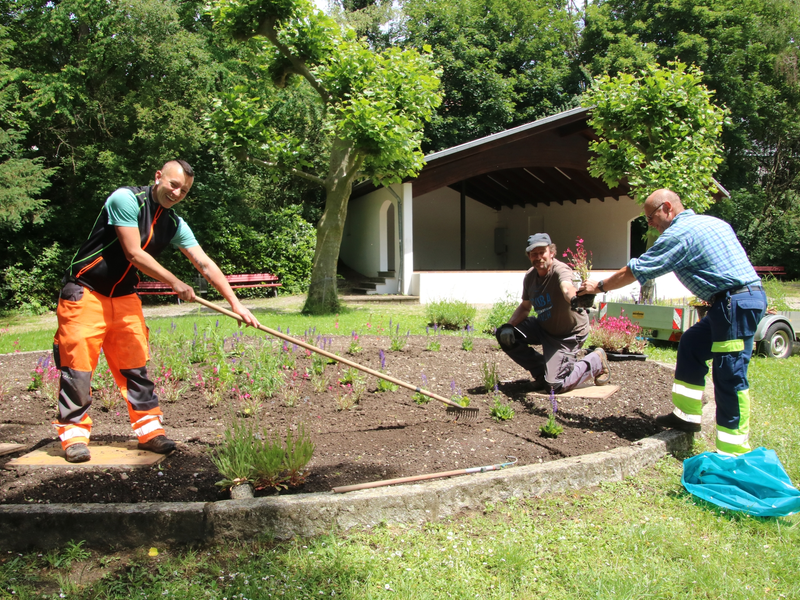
<point>661,207</point>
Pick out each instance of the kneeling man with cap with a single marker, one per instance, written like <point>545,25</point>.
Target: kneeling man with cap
<point>559,326</point>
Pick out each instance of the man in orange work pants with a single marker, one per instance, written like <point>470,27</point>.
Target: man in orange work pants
<point>98,308</point>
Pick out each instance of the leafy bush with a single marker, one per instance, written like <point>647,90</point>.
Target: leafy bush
<point>450,314</point>
<point>32,286</point>
<point>617,334</point>
<point>249,455</point>
<point>500,313</point>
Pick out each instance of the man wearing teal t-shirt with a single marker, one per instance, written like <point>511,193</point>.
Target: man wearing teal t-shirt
<point>98,308</point>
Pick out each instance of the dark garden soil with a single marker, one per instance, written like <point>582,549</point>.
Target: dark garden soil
<point>385,436</point>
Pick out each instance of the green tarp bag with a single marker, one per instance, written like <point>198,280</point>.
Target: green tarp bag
<point>754,483</point>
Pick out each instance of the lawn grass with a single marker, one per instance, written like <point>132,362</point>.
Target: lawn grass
<point>645,537</point>
<point>36,334</point>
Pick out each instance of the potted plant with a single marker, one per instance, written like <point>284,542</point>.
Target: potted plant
<point>619,336</point>
<point>581,263</point>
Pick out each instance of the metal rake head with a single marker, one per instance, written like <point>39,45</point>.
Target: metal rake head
<point>465,413</point>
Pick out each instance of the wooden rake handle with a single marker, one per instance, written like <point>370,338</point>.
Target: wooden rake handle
<point>336,357</point>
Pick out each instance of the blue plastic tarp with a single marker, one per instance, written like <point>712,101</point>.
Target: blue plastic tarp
<point>755,483</point>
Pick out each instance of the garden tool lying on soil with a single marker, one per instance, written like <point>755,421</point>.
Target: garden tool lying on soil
<point>466,412</point>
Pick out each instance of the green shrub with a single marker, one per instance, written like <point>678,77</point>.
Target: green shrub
<point>249,455</point>
<point>450,314</point>
<point>500,313</point>
<point>501,411</point>
<point>32,286</point>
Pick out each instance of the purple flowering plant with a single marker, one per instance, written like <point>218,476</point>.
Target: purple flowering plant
<point>551,429</point>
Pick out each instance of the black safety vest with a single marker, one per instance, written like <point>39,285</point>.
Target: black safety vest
<point>100,264</point>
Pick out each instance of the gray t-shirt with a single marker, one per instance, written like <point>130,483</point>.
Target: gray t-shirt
<point>552,309</point>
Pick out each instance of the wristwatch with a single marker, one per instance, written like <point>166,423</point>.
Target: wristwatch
<point>601,286</point>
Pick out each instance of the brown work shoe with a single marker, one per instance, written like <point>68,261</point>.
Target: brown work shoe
<point>160,444</point>
<point>77,453</point>
<point>605,376</point>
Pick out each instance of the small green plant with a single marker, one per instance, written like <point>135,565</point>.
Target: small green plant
<point>433,344</point>
<point>397,340</point>
<point>450,314</point>
<point>489,376</point>
<point>420,398</point>
<point>287,358</point>
<point>354,347</point>
<point>249,405</point>
<point>168,388</point>
<point>501,411</point>
<point>456,395</point>
<point>467,339</point>
<point>319,382</point>
<point>384,385</point>
<point>551,429</point>
<point>45,378</point>
<point>248,454</point>
<point>318,363</point>
<point>500,313</point>
<point>345,399</point>
<point>348,376</point>
<point>292,392</point>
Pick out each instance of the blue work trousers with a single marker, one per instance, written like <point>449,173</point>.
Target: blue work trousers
<point>725,336</point>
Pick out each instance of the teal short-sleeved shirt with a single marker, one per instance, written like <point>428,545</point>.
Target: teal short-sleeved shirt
<point>123,211</point>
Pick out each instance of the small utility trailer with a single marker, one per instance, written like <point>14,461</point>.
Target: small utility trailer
<point>776,336</point>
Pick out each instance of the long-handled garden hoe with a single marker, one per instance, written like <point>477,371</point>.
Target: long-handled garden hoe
<point>467,412</point>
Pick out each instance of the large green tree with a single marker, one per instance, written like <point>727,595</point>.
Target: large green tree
<point>108,91</point>
<point>749,51</point>
<point>374,106</point>
<point>503,62</point>
<point>22,178</point>
<point>658,129</point>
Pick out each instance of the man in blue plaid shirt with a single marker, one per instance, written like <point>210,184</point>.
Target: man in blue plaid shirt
<point>708,259</point>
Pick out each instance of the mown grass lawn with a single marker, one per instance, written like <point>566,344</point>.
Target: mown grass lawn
<point>642,538</point>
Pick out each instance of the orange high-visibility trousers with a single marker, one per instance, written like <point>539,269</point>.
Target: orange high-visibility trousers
<point>88,323</point>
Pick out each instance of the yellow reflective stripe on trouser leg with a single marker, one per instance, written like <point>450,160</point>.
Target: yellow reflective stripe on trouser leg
<point>688,399</point>
<point>736,441</point>
<point>727,346</point>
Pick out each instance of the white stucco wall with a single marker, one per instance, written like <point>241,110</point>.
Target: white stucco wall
<point>603,225</point>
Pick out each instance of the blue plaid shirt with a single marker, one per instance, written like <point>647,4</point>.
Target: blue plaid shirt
<point>704,253</point>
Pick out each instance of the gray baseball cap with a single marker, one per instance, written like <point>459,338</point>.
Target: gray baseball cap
<point>536,240</point>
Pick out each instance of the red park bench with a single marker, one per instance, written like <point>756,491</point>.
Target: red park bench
<point>775,271</point>
<point>249,280</point>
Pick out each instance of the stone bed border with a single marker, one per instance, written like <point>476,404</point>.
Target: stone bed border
<point>47,526</point>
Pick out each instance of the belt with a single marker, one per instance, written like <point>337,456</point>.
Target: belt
<point>746,288</point>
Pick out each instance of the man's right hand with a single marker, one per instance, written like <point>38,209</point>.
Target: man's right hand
<point>185,292</point>
<point>506,336</point>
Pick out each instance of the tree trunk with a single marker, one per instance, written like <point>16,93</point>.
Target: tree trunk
<point>345,163</point>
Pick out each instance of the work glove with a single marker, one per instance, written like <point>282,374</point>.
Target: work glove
<point>506,337</point>
<point>573,304</point>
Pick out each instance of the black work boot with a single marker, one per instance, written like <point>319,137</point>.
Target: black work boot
<point>160,444</point>
<point>77,453</point>
<point>673,421</point>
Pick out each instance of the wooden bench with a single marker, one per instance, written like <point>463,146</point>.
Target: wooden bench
<point>245,280</point>
<point>250,280</point>
<point>775,271</point>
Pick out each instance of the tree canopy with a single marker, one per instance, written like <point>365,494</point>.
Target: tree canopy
<point>657,129</point>
<point>373,107</point>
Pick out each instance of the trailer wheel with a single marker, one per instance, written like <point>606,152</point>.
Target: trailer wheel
<point>778,341</point>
